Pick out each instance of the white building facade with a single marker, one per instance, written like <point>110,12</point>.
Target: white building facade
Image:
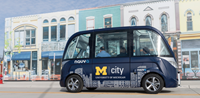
<point>161,14</point>
<point>38,37</point>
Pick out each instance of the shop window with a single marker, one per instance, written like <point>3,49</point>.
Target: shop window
<point>53,33</point>
<point>62,32</point>
<point>57,66</point>
<point>21,65</point>
<point>148,21</point>
<point>189,21</point>
<point>185,59</point>
<point>108,22</point>
<point>194,59</point>
<point>133,21</point>
<point>44,64</point>
<point>111,44</point>
<point>164,24</point>
<point>45,33</point>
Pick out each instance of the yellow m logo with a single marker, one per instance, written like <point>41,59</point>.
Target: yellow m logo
<point>102,71</point>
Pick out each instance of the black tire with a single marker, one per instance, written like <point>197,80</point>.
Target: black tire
<point>152,87</point>
<point>91,88</point>
<point>74,83</point>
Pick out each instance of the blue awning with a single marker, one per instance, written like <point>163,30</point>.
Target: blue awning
<point>50,54</point>
<point>45,54</point>
<point>21,56</point>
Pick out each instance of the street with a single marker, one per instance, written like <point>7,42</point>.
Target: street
<point>52,89</point>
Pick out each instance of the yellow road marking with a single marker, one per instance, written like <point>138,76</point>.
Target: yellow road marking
<point>101,93</point>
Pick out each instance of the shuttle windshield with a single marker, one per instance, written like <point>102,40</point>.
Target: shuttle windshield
<point>148,43</point>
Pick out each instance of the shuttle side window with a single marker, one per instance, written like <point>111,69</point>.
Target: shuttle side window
<point>78,47</point>
<point>148,43</point>
<point>111,44</point>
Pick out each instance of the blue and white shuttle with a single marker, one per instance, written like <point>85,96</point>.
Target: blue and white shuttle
<point>121,57</point>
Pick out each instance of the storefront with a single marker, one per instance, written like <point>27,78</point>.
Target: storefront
<point>24,65</point>
<point>191,58</point>
<point>48,64</point>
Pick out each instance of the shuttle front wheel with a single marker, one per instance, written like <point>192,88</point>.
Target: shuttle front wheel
<point>152,83</point>
<point>74,83</point>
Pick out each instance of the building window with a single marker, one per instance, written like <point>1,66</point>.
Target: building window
<point>189,21</point>
<point>45,21</point>
<point>53,33</point>
<point>62,19</point>
<point>89,24</point>
<point>25,36</point>
<point>148,21</point>
<point>30,37</point>
<point>45,33</point>
<point>53,20</point>
<point>71,18</point>
<point>62,32</point>
<point>108,22</point>
<point>164,25</point>
<point>133,21</point>
<point>71,29</point>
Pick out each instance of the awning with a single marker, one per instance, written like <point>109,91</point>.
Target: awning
<point>45,54</point>
<point>21,56</point>
<point>190,36</point>
<point>50,54</point>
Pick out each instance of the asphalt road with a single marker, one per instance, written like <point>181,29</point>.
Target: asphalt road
<point>189,89</point>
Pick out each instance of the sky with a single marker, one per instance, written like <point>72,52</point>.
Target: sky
<point>14,8</point>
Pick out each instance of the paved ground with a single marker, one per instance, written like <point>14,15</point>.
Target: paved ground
<point>51,89</point>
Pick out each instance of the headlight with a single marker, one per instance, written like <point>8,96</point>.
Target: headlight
<point>173,63</point>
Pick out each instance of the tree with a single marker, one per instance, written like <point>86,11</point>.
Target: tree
<point>8,46</point>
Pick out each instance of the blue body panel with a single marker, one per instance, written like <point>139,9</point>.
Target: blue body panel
<point>124,72</point>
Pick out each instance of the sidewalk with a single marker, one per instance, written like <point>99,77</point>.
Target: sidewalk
<point>55,84</point>
<point>31,84</point>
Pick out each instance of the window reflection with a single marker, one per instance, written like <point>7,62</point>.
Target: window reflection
<point>133,21</point>
<point>164,25</point>
<point>148,21</point>
<point>148,43</point>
